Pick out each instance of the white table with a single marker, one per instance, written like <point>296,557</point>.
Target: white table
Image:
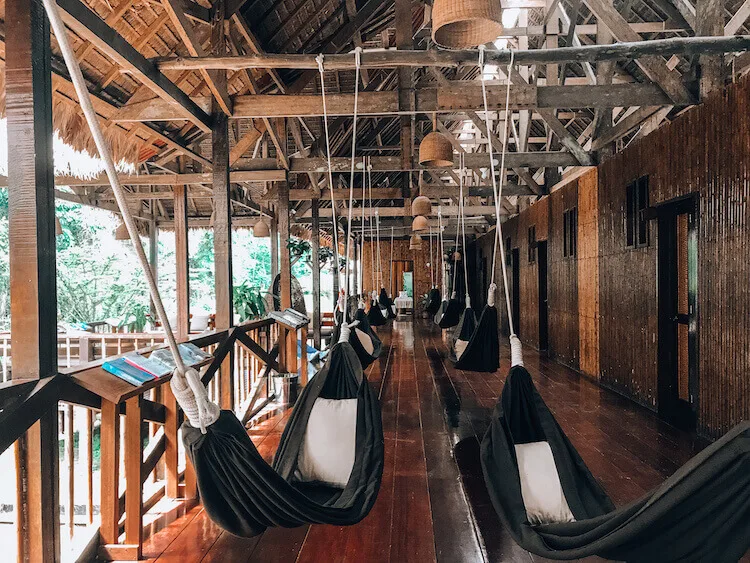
<point>404,303</point>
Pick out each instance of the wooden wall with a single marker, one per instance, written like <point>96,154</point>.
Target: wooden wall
<point>704,151</point>
<point>588,273</point>
<point>400,252</point>
<point>562,278</point>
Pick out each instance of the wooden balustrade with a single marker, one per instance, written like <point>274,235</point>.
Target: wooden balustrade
<point>90,399</point>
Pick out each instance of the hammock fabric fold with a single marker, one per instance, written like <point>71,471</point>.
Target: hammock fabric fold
<point>245,495</point>
<point>362,339</point>
<point>387,303</point>
<point>440,312</point>
<point>701,513</point>
<point>465,328</point>
<point>452,314</point>
<point>375,315</point>
<point>433,301</point>
<point>482,353</point>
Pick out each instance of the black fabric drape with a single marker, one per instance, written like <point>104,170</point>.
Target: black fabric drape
<point>452,313</point>
<point>375,315</point>
<point>387,303</point>
<point>701,513</point>
<point>365,358</point>
<point>483,351</point>
<point>465,328</point>
<point>440,312</point>
<point>433,301</point>
<point>244,495</point>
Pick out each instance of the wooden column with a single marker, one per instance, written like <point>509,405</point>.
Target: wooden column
<point>315,244</point>
<point>133,477</point>
<point>223,245</point>
<point>406,101</point>
<point>109,440</point>
<point>287,338</point>
<point>153,254</point>
<point>182,256</point>
<point>709,21</point>
<point>33,290</point>
<point>274,248</point>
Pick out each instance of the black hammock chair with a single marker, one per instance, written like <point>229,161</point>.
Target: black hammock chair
<point>701,513</point>
<point>387,303</point>
<point>375,314</point>
<point>465,328</point>
<point>482,351</point>
<point>451,314</point>
<point>363,339</point>
<point>433,301</point>
<point>245,495</point>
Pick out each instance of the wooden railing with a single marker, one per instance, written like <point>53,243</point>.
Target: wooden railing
<point>141,460</point>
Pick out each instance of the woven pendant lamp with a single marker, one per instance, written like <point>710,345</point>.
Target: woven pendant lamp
<point>415,242</point>
<point>464,24</point>
<point>436,151</point>
<point>457,256</point>
<point>261,229</point>
<point>421,206</point>
<point>121,232</point>
<point>420,223</point>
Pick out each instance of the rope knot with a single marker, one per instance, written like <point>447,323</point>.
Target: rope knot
<point>516,352</point>
<point>481,49</point>
<point>491,295</point>
<point>358,57</point>
<point>319,60</point>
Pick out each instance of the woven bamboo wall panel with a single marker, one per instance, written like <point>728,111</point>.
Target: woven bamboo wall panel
<point>704,151</point>
<point>588,273</point>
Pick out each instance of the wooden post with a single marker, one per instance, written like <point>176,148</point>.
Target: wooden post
<point>110,473</point>
<point>709,20</point>
<point>182,255</point>
<point>33,290</point>
<point>406,101</point>
<point>223,246</point>
<point>133,477</point>
<point>274,248</point>
<point>153,254</point>
<point>315,244</point>
<point>287,337</point>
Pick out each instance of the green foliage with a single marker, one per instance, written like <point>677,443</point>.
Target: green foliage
<point>248,302</point>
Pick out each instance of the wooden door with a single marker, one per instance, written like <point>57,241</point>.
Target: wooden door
<point>678,319</point>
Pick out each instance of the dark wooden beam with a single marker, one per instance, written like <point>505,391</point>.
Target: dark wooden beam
<point>223,245</point>
<point>182,254</point>
<point>91,27</point>
<point>315,244</point>
<point>33,289</point>
<point>709,20</point>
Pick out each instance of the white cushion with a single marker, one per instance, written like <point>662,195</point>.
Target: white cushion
<point>328,451</point>
<point>460,347</point>
<point>365,341</point>
<point>540,485</point>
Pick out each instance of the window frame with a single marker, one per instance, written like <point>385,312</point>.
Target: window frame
<point>532,244</point>
<point>637,232</point>
<point>570,232</point>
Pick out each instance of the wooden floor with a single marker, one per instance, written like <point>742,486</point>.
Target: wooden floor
<point>433,505</point>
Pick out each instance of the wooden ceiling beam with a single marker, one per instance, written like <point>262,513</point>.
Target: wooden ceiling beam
<point>631,47</point>
<point>92,28</point>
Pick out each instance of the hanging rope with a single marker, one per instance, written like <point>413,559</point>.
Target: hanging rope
<point>515,344</point>
<point>357,65</point>
<point>440,249</point>
<point>432,276</point>
<point>364,201</point>
<point>370,221</point>
<point>186,382</point>
<point>462,214</point>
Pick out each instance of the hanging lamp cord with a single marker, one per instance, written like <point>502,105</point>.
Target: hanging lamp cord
<point>462,213</point>
<point>390,273</point>
<point>186,382</point>
<point>515,343</point>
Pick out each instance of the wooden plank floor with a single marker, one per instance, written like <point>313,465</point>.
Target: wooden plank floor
<point>433,505</point>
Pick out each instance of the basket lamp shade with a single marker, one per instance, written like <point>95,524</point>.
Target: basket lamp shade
<point>464,24</point>
<point>457,256</point>
<point>421,206</point>
<point>261,229</point>
<point>420,223</point>
<point>436,151</point>
<point>121,232</point>
<point>415,242</point>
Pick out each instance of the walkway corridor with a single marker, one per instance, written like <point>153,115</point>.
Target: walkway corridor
<point>432,505</point>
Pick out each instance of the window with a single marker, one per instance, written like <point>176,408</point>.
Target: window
<point>532,244</point>
<point>508,253</point>
<point>636,227</point>
<point>570,232</point>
